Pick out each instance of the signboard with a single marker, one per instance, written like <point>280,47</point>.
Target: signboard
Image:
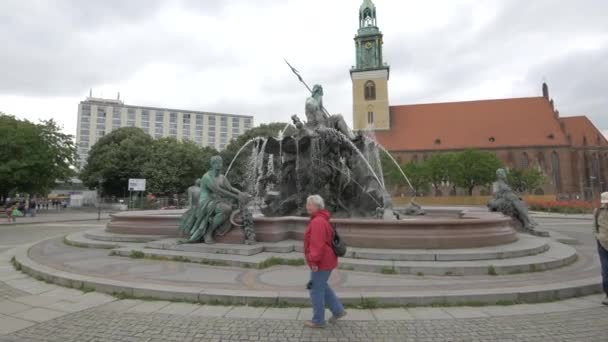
<point>137,184</point>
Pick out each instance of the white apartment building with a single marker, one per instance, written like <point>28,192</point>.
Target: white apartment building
<point>97,117</point>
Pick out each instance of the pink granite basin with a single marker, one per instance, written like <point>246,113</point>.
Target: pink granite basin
<point>444,228</point>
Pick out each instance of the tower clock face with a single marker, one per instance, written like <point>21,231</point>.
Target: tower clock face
<point>368,45</point>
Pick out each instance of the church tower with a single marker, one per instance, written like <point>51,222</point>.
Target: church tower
<point>370,74</point>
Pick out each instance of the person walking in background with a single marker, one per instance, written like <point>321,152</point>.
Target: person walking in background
<point>33,206</point>
<point>321,259</point>
<point>601,233</point>
<point>9,213</point>
<point>15,212</point>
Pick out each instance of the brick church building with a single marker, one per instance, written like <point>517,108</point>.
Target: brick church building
<point>523,132</point>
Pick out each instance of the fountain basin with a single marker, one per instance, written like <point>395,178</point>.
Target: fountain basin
<point>440,229</point>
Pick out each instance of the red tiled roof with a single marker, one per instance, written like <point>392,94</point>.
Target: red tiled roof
<point>512,122</point>
<point>579,128</point>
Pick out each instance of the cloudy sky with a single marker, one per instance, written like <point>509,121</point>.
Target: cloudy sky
<point>227,56</point>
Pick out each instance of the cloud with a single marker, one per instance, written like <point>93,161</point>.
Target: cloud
<point>227,56</point>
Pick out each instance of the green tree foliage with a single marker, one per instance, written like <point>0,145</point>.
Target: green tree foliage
<point>419,176</point>
<point>239,168</point>
<point>115,158</point>
<point>525,180</point>
<point>33,156</point>
<point>174,165</point>
<point>472,168</point>
<point>440,167</point>
<point>169,166</point>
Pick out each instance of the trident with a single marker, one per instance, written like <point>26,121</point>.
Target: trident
<point>297,73</point>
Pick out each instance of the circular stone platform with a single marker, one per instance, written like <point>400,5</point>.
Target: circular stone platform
<point>439,229</point>
<point>171,274</point>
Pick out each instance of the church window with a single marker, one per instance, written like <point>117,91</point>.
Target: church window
<point>370,117</point>
<point>370,91</point>
<point>437,141</point>
<point>491,139</point>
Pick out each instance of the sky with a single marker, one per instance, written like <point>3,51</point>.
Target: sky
<point>227,55</point>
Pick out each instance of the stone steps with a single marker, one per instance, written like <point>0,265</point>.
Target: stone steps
<point>557,255</point>
<point>80,239</point>
<point>100,234</point>
<point>497,293</point>
<point>525,246</point>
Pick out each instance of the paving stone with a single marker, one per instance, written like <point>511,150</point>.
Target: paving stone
<point>10,324</point>
<point>211,311</point>
<point>465,312</point>
<point>152,306</point>
<point>429,313</point>
<point>245,312</point>
<point>63,293</point>
<point>306,314</point>
<point>36,300</point>
<point>10,307</point>
<point>358,315</point>
<point>121,305</point>
<point>396,314</point>
<point>179,308</point>
<point>38,314</point>
<point>280,313</point>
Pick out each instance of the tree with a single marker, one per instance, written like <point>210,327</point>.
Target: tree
<point>525,180</point>
<point>115,158</point>
<point>238,172</point>
<point>473,168</point>
<point>34,156</point>
<point>175,165</point>
<point>440,168</point>
<point>418,174</point>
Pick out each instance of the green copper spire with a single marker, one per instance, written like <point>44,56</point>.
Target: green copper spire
<point>368,41</point>
<point>367,14</point>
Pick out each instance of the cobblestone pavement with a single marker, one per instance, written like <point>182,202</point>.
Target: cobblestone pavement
<point>105,325</point>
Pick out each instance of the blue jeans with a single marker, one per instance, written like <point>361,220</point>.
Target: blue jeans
<point>321,295</point>
<point>604,262</point>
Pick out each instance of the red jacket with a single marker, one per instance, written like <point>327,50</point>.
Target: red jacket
<point>318,238</point>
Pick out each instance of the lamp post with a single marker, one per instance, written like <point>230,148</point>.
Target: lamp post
<point>99,193</point>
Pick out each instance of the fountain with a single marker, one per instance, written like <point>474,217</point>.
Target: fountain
<point>323,156</point>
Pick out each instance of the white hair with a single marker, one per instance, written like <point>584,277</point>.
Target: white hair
<point>316,200</point>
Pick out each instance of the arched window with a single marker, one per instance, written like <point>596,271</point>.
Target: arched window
<point>370,91</point>
<point>525,161</point>
<point>555,169</point>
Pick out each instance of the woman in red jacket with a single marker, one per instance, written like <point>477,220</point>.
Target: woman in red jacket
<point>321,259</point>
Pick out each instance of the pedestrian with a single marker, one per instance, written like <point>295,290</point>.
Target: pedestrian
<point>320,257</point>
<point>601,233</point>
<point>32,207</point>
<point>16,213</point>
<point>9,212</point>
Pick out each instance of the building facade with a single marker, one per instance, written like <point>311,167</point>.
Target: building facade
<point>523,132</point>
<point>98,117</point>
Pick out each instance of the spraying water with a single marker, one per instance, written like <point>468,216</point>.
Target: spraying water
<point>238,153</point>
